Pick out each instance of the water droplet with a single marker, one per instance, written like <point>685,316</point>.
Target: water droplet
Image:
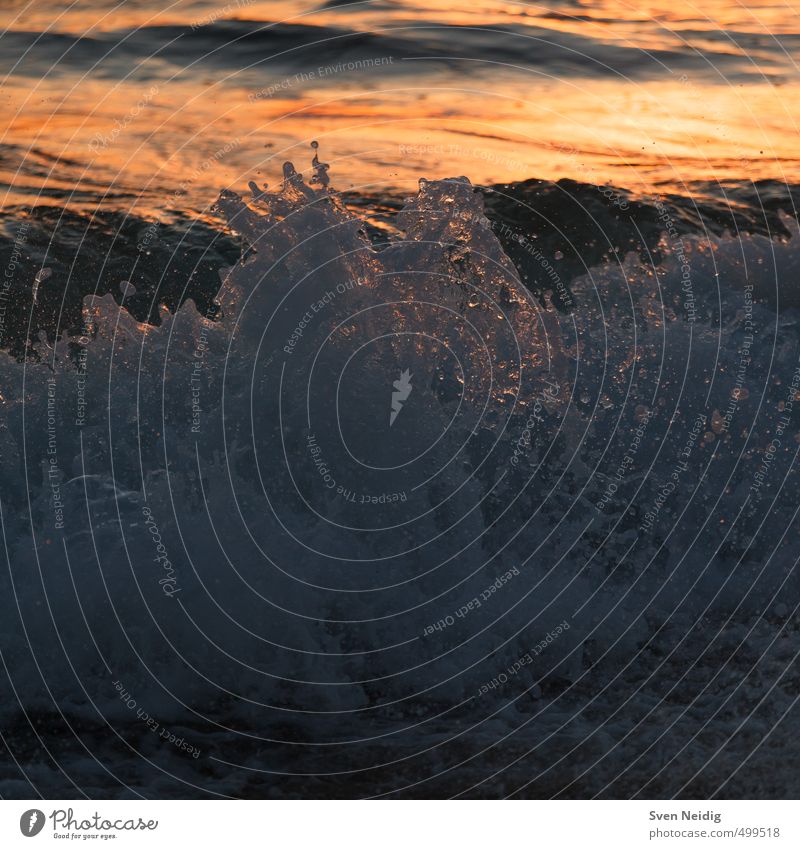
<point>559,255</point>
<point>320,177</point>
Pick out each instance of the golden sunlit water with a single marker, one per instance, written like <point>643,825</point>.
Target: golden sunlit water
<point>178,101</point>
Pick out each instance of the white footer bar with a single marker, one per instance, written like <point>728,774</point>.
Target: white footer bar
<point>402,824</point>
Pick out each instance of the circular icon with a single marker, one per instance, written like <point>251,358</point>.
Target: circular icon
<point>31,822</point>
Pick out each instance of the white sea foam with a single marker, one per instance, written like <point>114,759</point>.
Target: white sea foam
<point>243,532</point>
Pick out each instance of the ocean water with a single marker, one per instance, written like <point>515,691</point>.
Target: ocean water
<point>460,461</point>
<point>125,104</point>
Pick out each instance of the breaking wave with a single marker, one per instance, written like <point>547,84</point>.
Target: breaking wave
<point>404,502</point>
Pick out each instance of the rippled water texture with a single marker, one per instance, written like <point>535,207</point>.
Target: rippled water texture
<point>140,106</point>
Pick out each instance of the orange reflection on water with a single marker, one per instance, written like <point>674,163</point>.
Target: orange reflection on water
<point>656,133</point>
<point>183,135</point>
